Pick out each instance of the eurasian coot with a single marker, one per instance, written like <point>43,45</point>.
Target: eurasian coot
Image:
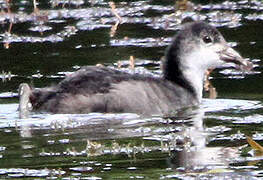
<point>195,48</point>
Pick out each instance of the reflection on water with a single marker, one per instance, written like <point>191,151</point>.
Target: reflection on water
<point>43,41</point>
<point>101,143</point>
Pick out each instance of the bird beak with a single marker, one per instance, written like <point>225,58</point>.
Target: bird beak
<point>229,55</point>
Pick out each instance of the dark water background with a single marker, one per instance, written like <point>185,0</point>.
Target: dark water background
<point>39,46</point>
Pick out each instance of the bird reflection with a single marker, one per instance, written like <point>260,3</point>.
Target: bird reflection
<point>196,156</point>
<point>184,138</point>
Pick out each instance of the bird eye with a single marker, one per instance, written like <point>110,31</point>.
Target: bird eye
<point>207,39</point>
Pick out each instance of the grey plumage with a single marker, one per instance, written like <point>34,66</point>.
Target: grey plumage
<point>99,89</point>
<point>197,47</point>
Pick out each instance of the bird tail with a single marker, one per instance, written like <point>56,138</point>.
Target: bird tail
<point>33,99</point>
<point>24,100</point>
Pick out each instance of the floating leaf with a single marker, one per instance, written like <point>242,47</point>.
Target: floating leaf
<point>212,171</point>
<point>254,144</point>
<point>218,170</point>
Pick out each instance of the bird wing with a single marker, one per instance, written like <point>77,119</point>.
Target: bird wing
<point>92,80</point>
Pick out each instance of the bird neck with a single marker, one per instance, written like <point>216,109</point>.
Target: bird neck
<point>186,75</point>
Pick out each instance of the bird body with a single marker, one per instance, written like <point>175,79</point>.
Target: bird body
<point>196,48</point>
<point>100,89</point>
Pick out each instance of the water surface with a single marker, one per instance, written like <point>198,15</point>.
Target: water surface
<point>42,45</point>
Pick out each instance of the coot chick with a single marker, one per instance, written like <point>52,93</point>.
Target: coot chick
<point>195,48</point>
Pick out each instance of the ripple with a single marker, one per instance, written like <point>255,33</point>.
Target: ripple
<point>146,42</point>
<point>61,121</point>
<point>40,28</point>
<point>91,25</point>
<point>214,105</point>
<point>20,172</point>
<point>236,74</point>
<point>92,178</point>
<point>8,95</point>
<point>82,169</point>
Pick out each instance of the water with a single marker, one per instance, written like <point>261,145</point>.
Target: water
<point>41,46</point>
